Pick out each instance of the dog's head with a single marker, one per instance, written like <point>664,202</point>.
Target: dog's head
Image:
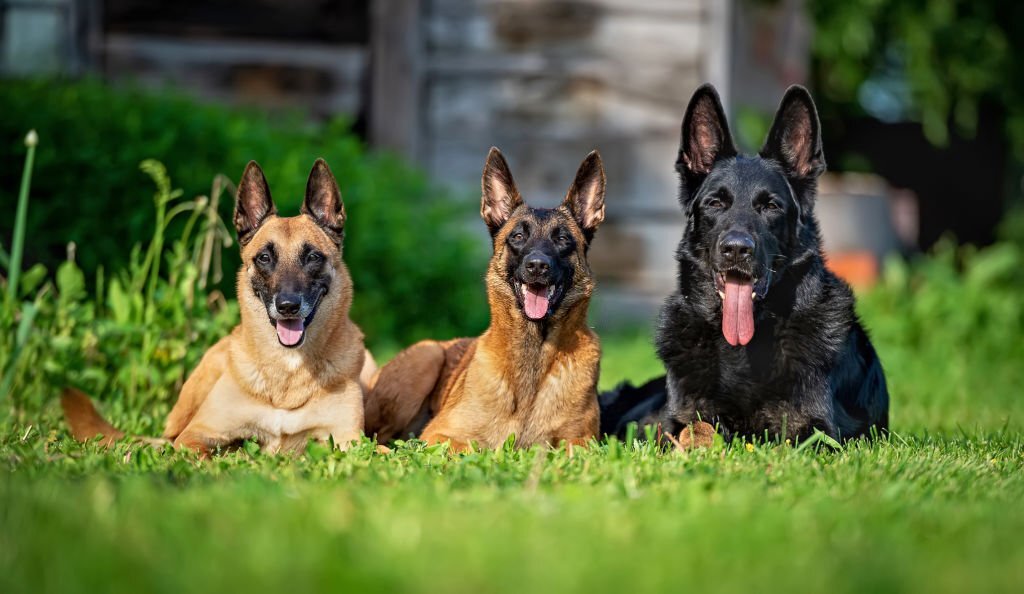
<point>748,217</point>
<point>292,273</point>
<point>540,254</point>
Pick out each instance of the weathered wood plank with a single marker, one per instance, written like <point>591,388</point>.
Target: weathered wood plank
<point>665,8</point>
<point>395,87</point>
<point>325,78</point>
<point>621,36</point>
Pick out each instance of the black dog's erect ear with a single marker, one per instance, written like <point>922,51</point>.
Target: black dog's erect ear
<point>795,136</point>
<point>253,203</point>
<point>323,202</point>
<point>499,194</point>
<point>585,199</point>
<point>705,136</point>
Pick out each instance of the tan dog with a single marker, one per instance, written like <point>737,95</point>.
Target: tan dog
<point>291,369</point>
<point>533,373</point>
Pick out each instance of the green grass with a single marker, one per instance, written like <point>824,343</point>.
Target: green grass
<point>935,510</point>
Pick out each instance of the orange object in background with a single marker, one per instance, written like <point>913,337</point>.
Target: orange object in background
<point>859,268</point>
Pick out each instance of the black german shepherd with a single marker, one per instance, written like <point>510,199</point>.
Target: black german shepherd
<point>760,339</point>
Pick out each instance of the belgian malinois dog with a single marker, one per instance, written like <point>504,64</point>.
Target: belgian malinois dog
<point>533,372</point>
<point>291,369</point>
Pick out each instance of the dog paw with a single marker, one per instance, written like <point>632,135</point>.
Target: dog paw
<point>574,445</point>
<point>383,449</point>
<point>696,435</point>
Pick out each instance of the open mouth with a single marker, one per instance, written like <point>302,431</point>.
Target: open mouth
<point>537,300</point>
<point>292,331</point>
<point>738,293</point>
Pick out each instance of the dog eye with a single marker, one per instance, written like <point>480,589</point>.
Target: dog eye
<point>714,203</point>
<point>314,258</point>
<point>517,237</point>
<point>263,258</point>
<point>772,206</point>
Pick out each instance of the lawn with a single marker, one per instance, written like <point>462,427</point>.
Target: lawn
<point>936,510</point>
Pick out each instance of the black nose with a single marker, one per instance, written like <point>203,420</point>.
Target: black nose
<point>288,304</point>
<point>736,247</point>
<point>537,264</point>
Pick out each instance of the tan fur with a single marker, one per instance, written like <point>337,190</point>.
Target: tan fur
<point>88,424</point>
<point>537,382</point>
<point>696,435</point>
<point>248,386</point>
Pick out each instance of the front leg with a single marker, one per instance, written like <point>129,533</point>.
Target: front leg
<point>455,446</point>
<point>225,416</point>
<point>695,435</point>
<point>578,443</point>
<point>578,432</point>
<point>687,421</point>
<point>680,407</point>
<point>337,417</point>
<point>809,407</point>
<point>197,387</point>
<point>201,439</point>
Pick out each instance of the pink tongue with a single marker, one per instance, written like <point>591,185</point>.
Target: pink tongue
<point>738,312</point>
<point>290,331</point>
<point>535,302</point>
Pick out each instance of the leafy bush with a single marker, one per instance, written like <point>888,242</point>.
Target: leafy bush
<point>951,55</point>
<point>405,244</point>
<point>141,333</point>
<point>948,325</point>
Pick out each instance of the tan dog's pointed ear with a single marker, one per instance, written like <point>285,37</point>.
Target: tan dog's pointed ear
<point>253,204</point>
<point>585,199</point>
<point>323,201</point>
<point>500,197</point>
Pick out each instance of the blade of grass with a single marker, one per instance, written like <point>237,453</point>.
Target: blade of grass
<point>14,269</point>
<point>819,437</point>
<point>28,316</point>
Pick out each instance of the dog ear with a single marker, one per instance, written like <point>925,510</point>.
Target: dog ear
<point>705,137</point>
<point>499,194</point>
<point>795,137</point>
<point>585,199</point>
<point>323,201</point>
<point>253,204</point>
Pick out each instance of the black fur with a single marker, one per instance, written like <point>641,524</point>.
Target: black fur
<point>809,364</point>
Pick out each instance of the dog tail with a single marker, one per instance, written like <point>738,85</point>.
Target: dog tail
<point>87,424</point>
<point>627,404</point>
<point>84,421</point>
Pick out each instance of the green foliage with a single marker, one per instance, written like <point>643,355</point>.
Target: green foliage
<point>135,339</point>
<point>406,244</point>
<point>948,327</point>
<point>955,55</point>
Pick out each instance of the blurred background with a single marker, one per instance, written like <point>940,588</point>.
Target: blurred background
<point>922,106</point>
